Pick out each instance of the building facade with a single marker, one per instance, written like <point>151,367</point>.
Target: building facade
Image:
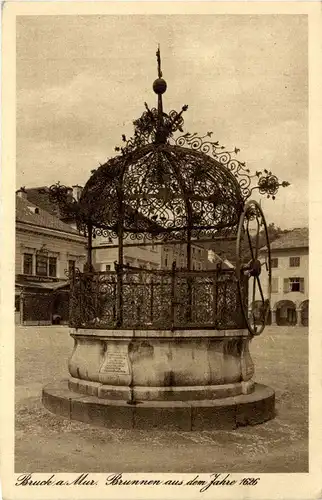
<point>290,279</point>
<point>46,249</point>
<point>138,253</point>
<point>178,253</point>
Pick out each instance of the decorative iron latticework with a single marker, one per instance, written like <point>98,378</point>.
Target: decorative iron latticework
<point>157,300</point>
<point>169,188</point>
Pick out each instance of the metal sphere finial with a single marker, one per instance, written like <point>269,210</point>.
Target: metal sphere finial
<point>159,86</point>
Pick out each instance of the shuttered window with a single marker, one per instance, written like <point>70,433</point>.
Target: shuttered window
<point>294,285</point>
<point>27,263</point>
<point>275,285</point>
<point>294,261</point>
<point>286,287</point>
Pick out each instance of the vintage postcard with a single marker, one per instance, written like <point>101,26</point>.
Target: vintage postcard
<point>161,250</point>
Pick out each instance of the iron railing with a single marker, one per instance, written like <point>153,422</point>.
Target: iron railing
<point>156,299</point>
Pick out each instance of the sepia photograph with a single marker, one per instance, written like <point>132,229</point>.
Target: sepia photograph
<point>161,269</point>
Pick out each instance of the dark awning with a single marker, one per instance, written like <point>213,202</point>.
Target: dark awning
<point>41,285</point>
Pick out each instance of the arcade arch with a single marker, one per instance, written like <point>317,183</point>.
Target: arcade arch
<point>286,313</point>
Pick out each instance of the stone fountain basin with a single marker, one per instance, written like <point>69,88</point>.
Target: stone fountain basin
<point>161,365</point>
<point>182,380</point>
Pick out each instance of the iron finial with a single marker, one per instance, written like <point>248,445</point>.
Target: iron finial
<point>159,85</point>
<point>159,62</point>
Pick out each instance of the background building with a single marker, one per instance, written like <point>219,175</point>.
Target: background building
<point>178,253</point>
<point>147,257</point>
<point>46,249</point>
<point>290,278</point>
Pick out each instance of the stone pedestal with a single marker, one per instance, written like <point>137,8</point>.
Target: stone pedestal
<point>216,414</point>
<point>199,377</point>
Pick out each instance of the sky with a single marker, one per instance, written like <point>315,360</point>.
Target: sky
<point>82,80</point>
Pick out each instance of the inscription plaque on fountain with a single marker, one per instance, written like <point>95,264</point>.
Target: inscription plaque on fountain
<point>116,361</point>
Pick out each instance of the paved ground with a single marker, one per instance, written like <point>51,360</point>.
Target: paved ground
<point>46,443</point>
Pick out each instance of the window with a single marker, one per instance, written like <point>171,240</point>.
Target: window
<point>27,263</point>
<point>294,285</point>
<point>71,267</point>
<point>41,265</point>
<point>275,285</point>
<point>274,262</point>
<point>52,266</point>
<point>166,262</point>
<point>46,266</point>
<point>294,261</point>
<point>108,267</point>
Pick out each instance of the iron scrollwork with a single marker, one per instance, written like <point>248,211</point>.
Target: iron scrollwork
<point>267,183</point>
<point>167,188</point>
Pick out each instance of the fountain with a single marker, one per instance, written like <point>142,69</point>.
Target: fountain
<point>168,348</point>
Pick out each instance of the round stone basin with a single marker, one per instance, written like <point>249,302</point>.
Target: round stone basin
<point>161,365</point>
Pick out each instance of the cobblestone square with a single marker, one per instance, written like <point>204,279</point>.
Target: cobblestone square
<point>45,442</point>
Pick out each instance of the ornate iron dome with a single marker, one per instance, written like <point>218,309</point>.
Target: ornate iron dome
<point>166,188</point>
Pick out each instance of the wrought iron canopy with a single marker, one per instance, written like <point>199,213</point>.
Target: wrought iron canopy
<point>168,188</point>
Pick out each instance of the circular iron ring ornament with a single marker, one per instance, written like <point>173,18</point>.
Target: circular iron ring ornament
<point>248,243</point>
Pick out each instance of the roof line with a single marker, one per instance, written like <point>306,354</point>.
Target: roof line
<point>74,233</point>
